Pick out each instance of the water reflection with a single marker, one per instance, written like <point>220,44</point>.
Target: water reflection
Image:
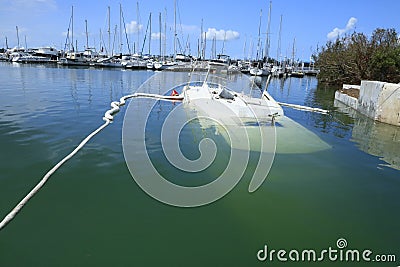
<point>375,138</point>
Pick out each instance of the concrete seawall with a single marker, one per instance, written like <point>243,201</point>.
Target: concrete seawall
<point>378,100</point>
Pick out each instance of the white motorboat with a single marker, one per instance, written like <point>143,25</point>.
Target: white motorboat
<point>228,105</point>
<point>277,71</point>
<point>74,59</point>
<point>135,62</point>
<point>28,58</point>
<point>163,65</point>
<point>259,71</point>
<point>109,62</point>
<point>49,52</point>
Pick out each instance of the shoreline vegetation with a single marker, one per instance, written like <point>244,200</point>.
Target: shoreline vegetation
<point>352,58</point>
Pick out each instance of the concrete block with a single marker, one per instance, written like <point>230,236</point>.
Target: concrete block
<point>379,101</point>
<point>369,96</point>
<point>388,106</point>
<point>347,100</point>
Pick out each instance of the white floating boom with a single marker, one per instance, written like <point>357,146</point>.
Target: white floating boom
<point>318,110</point>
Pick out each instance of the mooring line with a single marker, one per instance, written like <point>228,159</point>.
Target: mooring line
<point>305,108</point>
<point>45,178</point>
<point>108,118</point>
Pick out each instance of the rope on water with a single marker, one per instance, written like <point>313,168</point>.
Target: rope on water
<point>108,118</point>
<point>115,104</point>
<point>318,110</point>
<point>21,204</point>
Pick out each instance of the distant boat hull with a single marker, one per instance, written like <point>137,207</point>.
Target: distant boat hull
<point>297,74</point>
<point>259,72</point>
<point>30,59</point>
<point>71,62</point>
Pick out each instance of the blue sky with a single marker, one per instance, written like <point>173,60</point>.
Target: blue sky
<point>309,22</point>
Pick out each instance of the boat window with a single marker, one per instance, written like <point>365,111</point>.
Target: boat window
<point>226,94</point>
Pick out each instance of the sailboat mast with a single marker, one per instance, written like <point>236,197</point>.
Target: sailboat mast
<point>293,51</point>
<point>213,47</point>
<point>150,34</point>
<point>187,47</point>
<point>165,34</point>
<point>201,40</point>
<point>174,29</point>
<point>160,26</point>
<point>126,34</point>
<point>223,45</point>
<point>198,49</point>
<point>278,52</point>
<point>109,32</point>
<point>138,24</point>
<point>101,42</point>
<point>259,36</point>
<point>17,37</point>
<point>115,34</point>
<point>120,28</point>
<point>267,39</point>
<point>87,36</point>
<point>205,45</point>
<point>72,27</point>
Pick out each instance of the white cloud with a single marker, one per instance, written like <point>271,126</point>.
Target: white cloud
<point>336,32</point>
<point>221,35</point>
<point>133,27</point>
<point>157,36</point>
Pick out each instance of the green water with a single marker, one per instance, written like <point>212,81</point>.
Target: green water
<point>92,213</point>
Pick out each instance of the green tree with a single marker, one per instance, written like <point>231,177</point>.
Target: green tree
<point>356,57</point>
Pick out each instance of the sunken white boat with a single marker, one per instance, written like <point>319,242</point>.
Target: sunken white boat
<point>216,100</point>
